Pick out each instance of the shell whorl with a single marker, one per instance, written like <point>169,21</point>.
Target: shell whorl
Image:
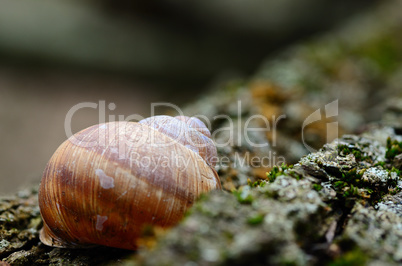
<point>104,194</point>
<point>189,131</point>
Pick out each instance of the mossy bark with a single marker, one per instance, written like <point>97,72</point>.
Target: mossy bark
<point>340,204</point>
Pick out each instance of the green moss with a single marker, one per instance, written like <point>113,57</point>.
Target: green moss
<point>394,148</point>
<point>203,197</point>
<point>277,171</point>
<point>351,192</point>
<point>397,171</point>
<point>359,156</point>
<point>394,191</point>
<point>382,164</point>
<point>243,195</point>
<point>317,187</point>
<point>349,177</point>
<point>295,175</point>
<point>255,219</point>
<point>352,176</point>
<point>354,257</point>
<point>351,187</point>
<point>384,51</point>
<point>340,184</point>
<point>258,183</point>
<point>349,183</point>
<point>273,174</point>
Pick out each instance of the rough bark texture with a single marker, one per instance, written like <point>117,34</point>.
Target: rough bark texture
<point>340,204</point>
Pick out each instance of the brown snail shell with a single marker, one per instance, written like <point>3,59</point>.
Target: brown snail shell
<point>105,183</point>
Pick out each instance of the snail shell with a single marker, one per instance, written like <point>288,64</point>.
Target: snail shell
<point>105,183</point>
